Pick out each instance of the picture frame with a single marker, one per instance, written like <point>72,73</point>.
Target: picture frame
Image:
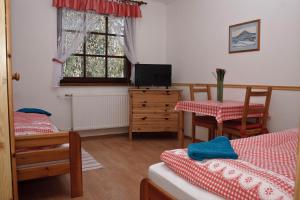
<point>244,37</point>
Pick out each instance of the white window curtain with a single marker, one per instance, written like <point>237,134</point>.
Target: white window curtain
<point>129,42</point>
<point>65,51</point>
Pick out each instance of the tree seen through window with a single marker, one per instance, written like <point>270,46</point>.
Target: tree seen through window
<point>100,57</point>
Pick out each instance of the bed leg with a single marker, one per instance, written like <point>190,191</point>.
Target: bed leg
<point>144,194</point>
<point>75,165</point>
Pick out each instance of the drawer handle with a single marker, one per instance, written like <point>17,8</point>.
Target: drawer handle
<point>145,102</point>
<point>167,105</point>
<point>144,105</point>
<point>144,91</point>
<point>144,118</point>
<point>166,118</point>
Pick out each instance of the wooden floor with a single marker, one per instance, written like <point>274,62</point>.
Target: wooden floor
<point>125,164</point>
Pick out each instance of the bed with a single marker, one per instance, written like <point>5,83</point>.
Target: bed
<point>43,151</point>
<point>267,171</point>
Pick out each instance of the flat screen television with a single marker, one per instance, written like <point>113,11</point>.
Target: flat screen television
<point>153,75</point>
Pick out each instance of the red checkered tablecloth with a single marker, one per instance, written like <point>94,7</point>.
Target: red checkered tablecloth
<point>226,110</point>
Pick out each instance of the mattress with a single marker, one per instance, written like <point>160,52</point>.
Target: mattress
<point>178,187</point>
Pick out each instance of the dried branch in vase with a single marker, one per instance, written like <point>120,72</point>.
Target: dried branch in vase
<point>220,83</point>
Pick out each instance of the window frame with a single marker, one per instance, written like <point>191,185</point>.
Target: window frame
<point>94,80</point>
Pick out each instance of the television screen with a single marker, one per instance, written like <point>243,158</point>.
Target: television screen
<point>153,75</point>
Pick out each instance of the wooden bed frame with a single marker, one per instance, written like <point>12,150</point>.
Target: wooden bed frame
<point>63,160</point>
<point>150,191</point>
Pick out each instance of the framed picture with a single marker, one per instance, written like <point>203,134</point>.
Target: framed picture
<point>244,37</point>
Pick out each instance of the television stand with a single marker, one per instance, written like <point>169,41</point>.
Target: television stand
<point>152,110</point>
<point>151,88</point>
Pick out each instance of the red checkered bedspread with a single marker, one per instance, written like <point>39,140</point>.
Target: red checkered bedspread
<point>32,124</point>
<point>265,169</point>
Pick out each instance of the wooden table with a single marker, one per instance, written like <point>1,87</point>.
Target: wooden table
<point>222,111</point>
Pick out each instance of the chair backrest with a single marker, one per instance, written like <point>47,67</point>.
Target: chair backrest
<point>262,112</point>
<point>194,88</point>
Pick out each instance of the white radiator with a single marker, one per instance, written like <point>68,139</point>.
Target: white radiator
<point>99,111</point>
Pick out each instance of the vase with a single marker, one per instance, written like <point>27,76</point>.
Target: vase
<point>220,87</point>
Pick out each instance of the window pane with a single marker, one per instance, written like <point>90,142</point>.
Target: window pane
<point>115,67</point>
<point>95,44</point>
<point>68,38</point>
<point>73,67</point>
<point>116,26</point>
<point>96,23</point>
<point>114,47</point>
<point>71,19</point>
<point>95,66</point>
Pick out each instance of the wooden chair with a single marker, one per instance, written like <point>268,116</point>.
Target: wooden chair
<point>208,122</point>
<point>244,127</point>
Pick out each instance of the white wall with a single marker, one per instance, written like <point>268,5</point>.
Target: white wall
<point>34,45</point>
<point>198,40</point>
<point>190,34</point>
<point>152,33</point>
<point>197,43</point>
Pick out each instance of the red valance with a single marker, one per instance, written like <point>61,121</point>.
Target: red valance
<point>115,8</point>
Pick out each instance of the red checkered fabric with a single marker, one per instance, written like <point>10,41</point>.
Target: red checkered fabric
<point>226,110</point>
<point>265,169</point>
<point>32,124</point>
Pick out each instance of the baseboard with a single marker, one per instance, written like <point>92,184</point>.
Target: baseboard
<point>101,132</point>
<point>114,131</point>
<point>190,138</point>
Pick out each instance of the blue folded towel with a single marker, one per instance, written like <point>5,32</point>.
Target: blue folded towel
<point>219,147</point>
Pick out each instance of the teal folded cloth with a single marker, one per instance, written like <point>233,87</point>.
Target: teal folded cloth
<point>219,147</point>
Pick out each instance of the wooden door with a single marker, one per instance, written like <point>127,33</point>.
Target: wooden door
<point>11,76</point>
<point>6,185</point>
<point>8,188</point>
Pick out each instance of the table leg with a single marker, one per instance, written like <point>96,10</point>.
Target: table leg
<point>180,133</point>
<point>220,129</point>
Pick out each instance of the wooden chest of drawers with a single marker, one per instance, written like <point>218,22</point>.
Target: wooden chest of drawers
<point>152,110</point>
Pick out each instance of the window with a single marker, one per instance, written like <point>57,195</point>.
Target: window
<point>100,58</point>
